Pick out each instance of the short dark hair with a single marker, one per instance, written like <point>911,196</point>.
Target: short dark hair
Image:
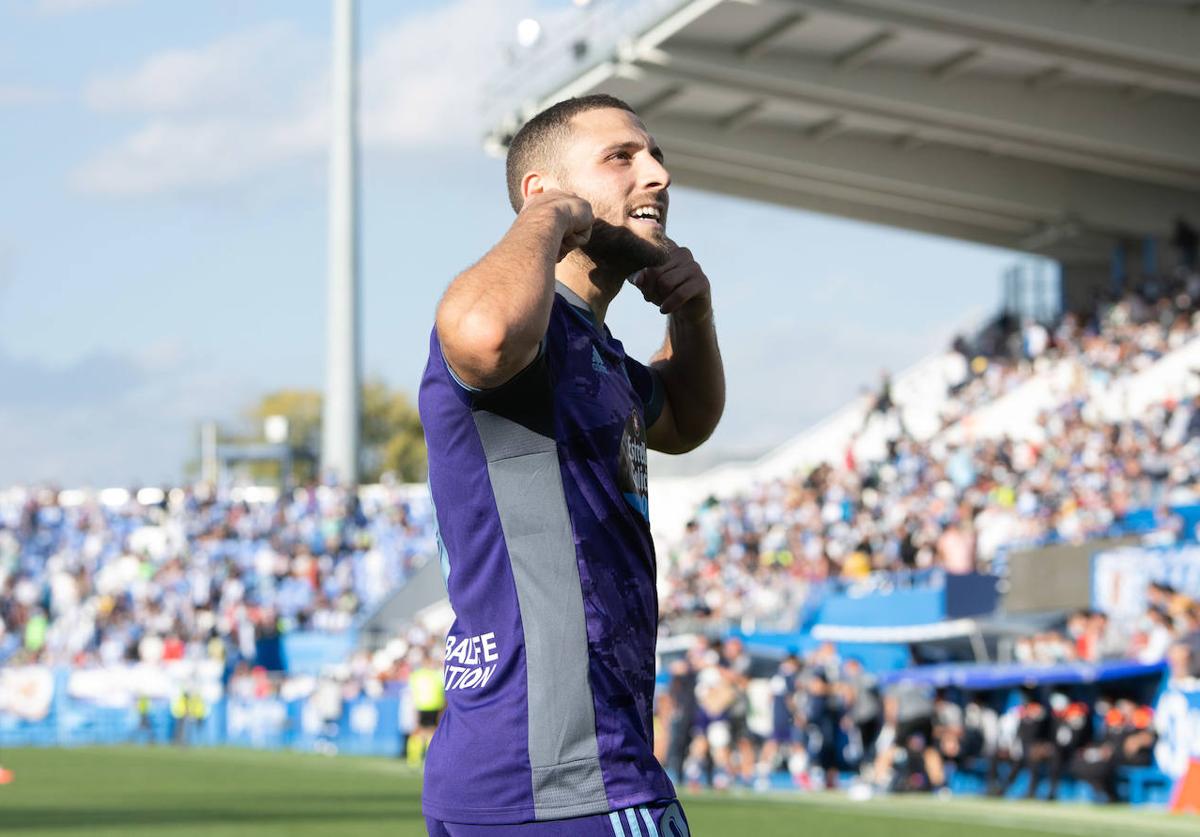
<point>539,137</point>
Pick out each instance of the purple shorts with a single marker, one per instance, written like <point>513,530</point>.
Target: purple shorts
<point>655,819</point>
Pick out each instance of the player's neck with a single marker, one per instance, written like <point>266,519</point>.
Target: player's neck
<point>594,285</point>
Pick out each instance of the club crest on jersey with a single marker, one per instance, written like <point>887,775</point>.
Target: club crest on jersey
<point>632,473</point>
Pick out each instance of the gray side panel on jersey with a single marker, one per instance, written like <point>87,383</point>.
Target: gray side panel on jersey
<point>563,753</point>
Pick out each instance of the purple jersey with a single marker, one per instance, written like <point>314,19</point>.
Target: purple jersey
<point>540,494</point>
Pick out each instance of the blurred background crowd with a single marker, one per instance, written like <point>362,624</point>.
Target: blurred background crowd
<point>196,573</point>
<point>221,576</point>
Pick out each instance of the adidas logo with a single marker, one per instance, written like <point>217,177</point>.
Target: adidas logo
<point>598,362</point>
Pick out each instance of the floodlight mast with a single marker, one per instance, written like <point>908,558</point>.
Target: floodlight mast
<point>343,369</point>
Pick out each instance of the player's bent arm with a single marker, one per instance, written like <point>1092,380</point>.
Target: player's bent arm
<point>693,376</point>
<point>494,314</point>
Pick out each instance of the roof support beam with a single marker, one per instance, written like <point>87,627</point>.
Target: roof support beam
<point>716,165</point>
<point>659,100</point>
<point>956,64</point>
<point>1153,139</point>
<point>785,190</point>
<point>828,129</point>
<point>770,36</point>
<point>860,54</point>
<point>744,115</point>
<point>1049,77</point>
<point>1009,193</point>
<point>1154,43</point>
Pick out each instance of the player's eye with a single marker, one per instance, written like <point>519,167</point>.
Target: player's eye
<point>620,155</point>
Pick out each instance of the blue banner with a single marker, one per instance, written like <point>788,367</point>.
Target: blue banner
<point>982,677</point>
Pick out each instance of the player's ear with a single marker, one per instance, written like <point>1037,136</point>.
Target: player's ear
<point>534,183</point>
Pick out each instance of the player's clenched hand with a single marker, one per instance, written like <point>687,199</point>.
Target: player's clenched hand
<point>678,286</point>
<point>573,214</point>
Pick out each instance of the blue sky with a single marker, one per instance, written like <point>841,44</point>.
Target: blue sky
<point>162,236</point>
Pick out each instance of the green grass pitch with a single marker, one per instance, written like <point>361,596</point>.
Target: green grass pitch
<point>147,792</point>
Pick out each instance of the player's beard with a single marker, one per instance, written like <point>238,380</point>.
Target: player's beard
<point>619,251</point>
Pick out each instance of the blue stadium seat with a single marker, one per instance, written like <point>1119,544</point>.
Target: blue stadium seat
<point>1142,785</point>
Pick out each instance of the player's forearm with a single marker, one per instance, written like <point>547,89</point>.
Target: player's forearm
<point>693,374</point>
<point>495,313</point>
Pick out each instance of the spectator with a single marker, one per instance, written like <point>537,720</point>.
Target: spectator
<point>1004,750</point>
<point>784,685</point>
<point>684,711</point>
<point>711,745</point>
<point>1127,739</point>
<point>949,728</point>
<point>822,722</point>
<point>1157,636</point>
<point>1181,664</point>
<point>905,759</point>
<point>1035,733</point>
<point>200,574</point>
<point>863,705</point>
<point>737,668</point>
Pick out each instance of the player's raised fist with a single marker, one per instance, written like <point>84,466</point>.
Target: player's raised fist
<point>679,285</point>
<point>573,214</point>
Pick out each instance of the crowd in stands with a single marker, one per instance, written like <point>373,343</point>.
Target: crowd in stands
<point>935,503</point>
<point>1159,315</point>
<point>831,722</point>
<point>198,574</point>
<point>1170,627</point>
<point>363,673</point>
<point>195,574</point>
<point>932,505</point>
<point>409,665</point>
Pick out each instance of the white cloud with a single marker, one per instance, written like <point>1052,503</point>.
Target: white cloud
<point>66,7</point>
<point>167,156</point>
<point>423,80</point>
<point>239,73</point>
<point>257,100</point>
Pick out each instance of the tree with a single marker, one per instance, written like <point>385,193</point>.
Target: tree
<point>392,437</point>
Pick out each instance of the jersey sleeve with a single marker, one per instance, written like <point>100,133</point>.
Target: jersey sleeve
<point>534,374</point>
<point>536,380</point>
<point>647,383</point>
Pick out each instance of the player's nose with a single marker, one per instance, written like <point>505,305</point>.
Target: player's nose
<point>653,174</point>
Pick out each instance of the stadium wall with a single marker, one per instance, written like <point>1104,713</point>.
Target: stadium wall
<point>1054,578</point>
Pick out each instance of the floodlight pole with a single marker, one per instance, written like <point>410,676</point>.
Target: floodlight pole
<point>340,422</point>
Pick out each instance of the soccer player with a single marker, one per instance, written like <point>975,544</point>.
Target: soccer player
<point>537,425</point>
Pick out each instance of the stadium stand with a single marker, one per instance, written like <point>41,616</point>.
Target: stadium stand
<point>205,617</point>
<point>874,541</point>
<point>959,498</point>
<point>188,574</point>
<point>800,615</point>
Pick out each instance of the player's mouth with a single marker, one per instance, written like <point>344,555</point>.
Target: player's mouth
<point>651,214</point>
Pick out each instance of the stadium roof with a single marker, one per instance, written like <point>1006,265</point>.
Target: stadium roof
<point>1053,126</point>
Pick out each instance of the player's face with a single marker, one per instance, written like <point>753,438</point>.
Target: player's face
<point>614,164</point>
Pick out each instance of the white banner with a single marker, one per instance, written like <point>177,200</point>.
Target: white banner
<point>1177,721</point>
<point>27,692</point>
<point>1120,577</point>
<point>121,686</point>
